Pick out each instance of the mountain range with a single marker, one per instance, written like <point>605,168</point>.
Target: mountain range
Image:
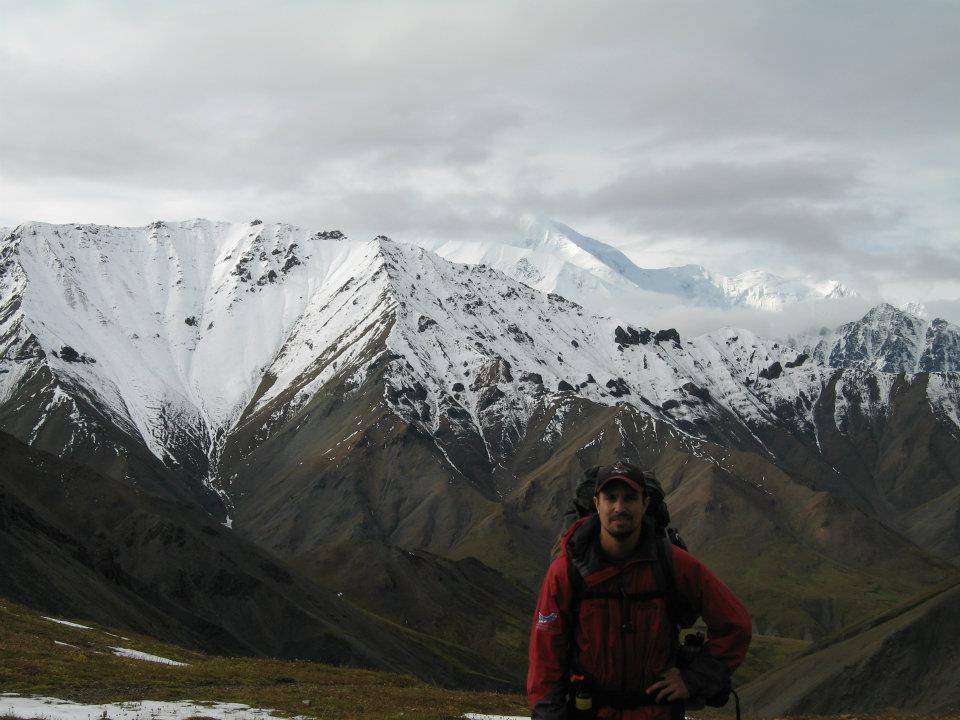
<point>398,434</point>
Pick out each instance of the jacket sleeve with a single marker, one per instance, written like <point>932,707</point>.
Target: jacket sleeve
<point>550,638</point>
<point>727,620</point>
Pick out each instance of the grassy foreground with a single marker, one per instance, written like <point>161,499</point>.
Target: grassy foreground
<point>32,663</point>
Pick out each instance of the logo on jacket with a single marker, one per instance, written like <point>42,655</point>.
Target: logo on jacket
<point>545,619</point>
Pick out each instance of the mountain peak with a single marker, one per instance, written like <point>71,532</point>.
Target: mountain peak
<point>886,312</point>
<point>890,339</point>
<point>916,309</point>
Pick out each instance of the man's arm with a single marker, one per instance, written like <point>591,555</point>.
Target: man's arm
<point>550,638</point>
<point>729,627</point>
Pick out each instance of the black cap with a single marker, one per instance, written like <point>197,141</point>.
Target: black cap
<point>643,481</point>
<point>621,473</point>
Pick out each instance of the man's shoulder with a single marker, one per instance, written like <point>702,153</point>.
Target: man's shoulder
<point>685,561</point>
<point>560,565</point>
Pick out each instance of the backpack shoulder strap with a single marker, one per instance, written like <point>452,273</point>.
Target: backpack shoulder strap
<point>578,587</point>
<point>679,608</point>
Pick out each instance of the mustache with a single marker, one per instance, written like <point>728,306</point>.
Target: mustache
<point>624,515</point>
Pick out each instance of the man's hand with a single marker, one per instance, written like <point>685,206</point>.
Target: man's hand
<point>670,688</point>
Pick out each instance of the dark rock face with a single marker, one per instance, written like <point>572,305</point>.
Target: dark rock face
<point>458,413</point>
<point>697,391</point>
<point>424,322</point>
<point>670,405</point>
<point>495,371</point>
<point>409,396</point>
<point>520,336</point>
<point>330,235</point>
<point>68,354</point>
<point>458,387</point>
<point>669,334</point>
<point>772,372</point>
<point>488,396</point>
<point>564,386</point>
<point>800,360</point>
<point>631,336</point>
<point>535,378</point>
<point>618,387</point>
<point>291,263</point>
<point>268,277</point>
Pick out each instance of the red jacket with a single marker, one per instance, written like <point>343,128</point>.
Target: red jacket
<point>611,658</point>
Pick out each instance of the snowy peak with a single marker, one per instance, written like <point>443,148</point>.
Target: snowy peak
<point>543,233</point>
<point>552,257</point>
<point>916,309</point>
<point>172,320</point>
<point>889,339</point>
<point>691,282</point>
<point>765,291</point>
<point>755,288</point>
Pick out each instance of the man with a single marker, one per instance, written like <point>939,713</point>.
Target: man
<point>604,638</point>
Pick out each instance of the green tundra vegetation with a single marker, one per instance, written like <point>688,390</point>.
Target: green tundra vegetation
<point>32,663</point>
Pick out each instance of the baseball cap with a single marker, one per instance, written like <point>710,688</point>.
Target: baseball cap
<point>624,472</point>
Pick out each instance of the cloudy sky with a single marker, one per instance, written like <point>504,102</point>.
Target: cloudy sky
<point>816,137</point>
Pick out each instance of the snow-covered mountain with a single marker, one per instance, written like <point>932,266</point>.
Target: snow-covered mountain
<point>766,291</point>
<point>892,340</point>
<point>181,330</point>
<point>552,257</point>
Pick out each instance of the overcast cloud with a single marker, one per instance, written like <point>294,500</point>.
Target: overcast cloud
<point>816,137</point>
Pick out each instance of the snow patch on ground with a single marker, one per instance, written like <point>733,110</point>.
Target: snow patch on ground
<point>67,623</point>
<point>56,709</point>
<point>137,655</point>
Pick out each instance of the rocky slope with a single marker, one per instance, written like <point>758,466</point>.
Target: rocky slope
<point>78,543</point>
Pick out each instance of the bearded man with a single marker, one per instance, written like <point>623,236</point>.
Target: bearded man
<point>605,637</point>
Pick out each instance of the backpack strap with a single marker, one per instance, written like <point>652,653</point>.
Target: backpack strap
<point>579,586</point>
<point>679,608</point>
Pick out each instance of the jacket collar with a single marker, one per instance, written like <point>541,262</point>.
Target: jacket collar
<point>581,545</point>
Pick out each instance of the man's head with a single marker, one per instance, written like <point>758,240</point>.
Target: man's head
<point>621,500</point>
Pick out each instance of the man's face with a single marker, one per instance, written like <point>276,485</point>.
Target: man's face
<point>620,508</point>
